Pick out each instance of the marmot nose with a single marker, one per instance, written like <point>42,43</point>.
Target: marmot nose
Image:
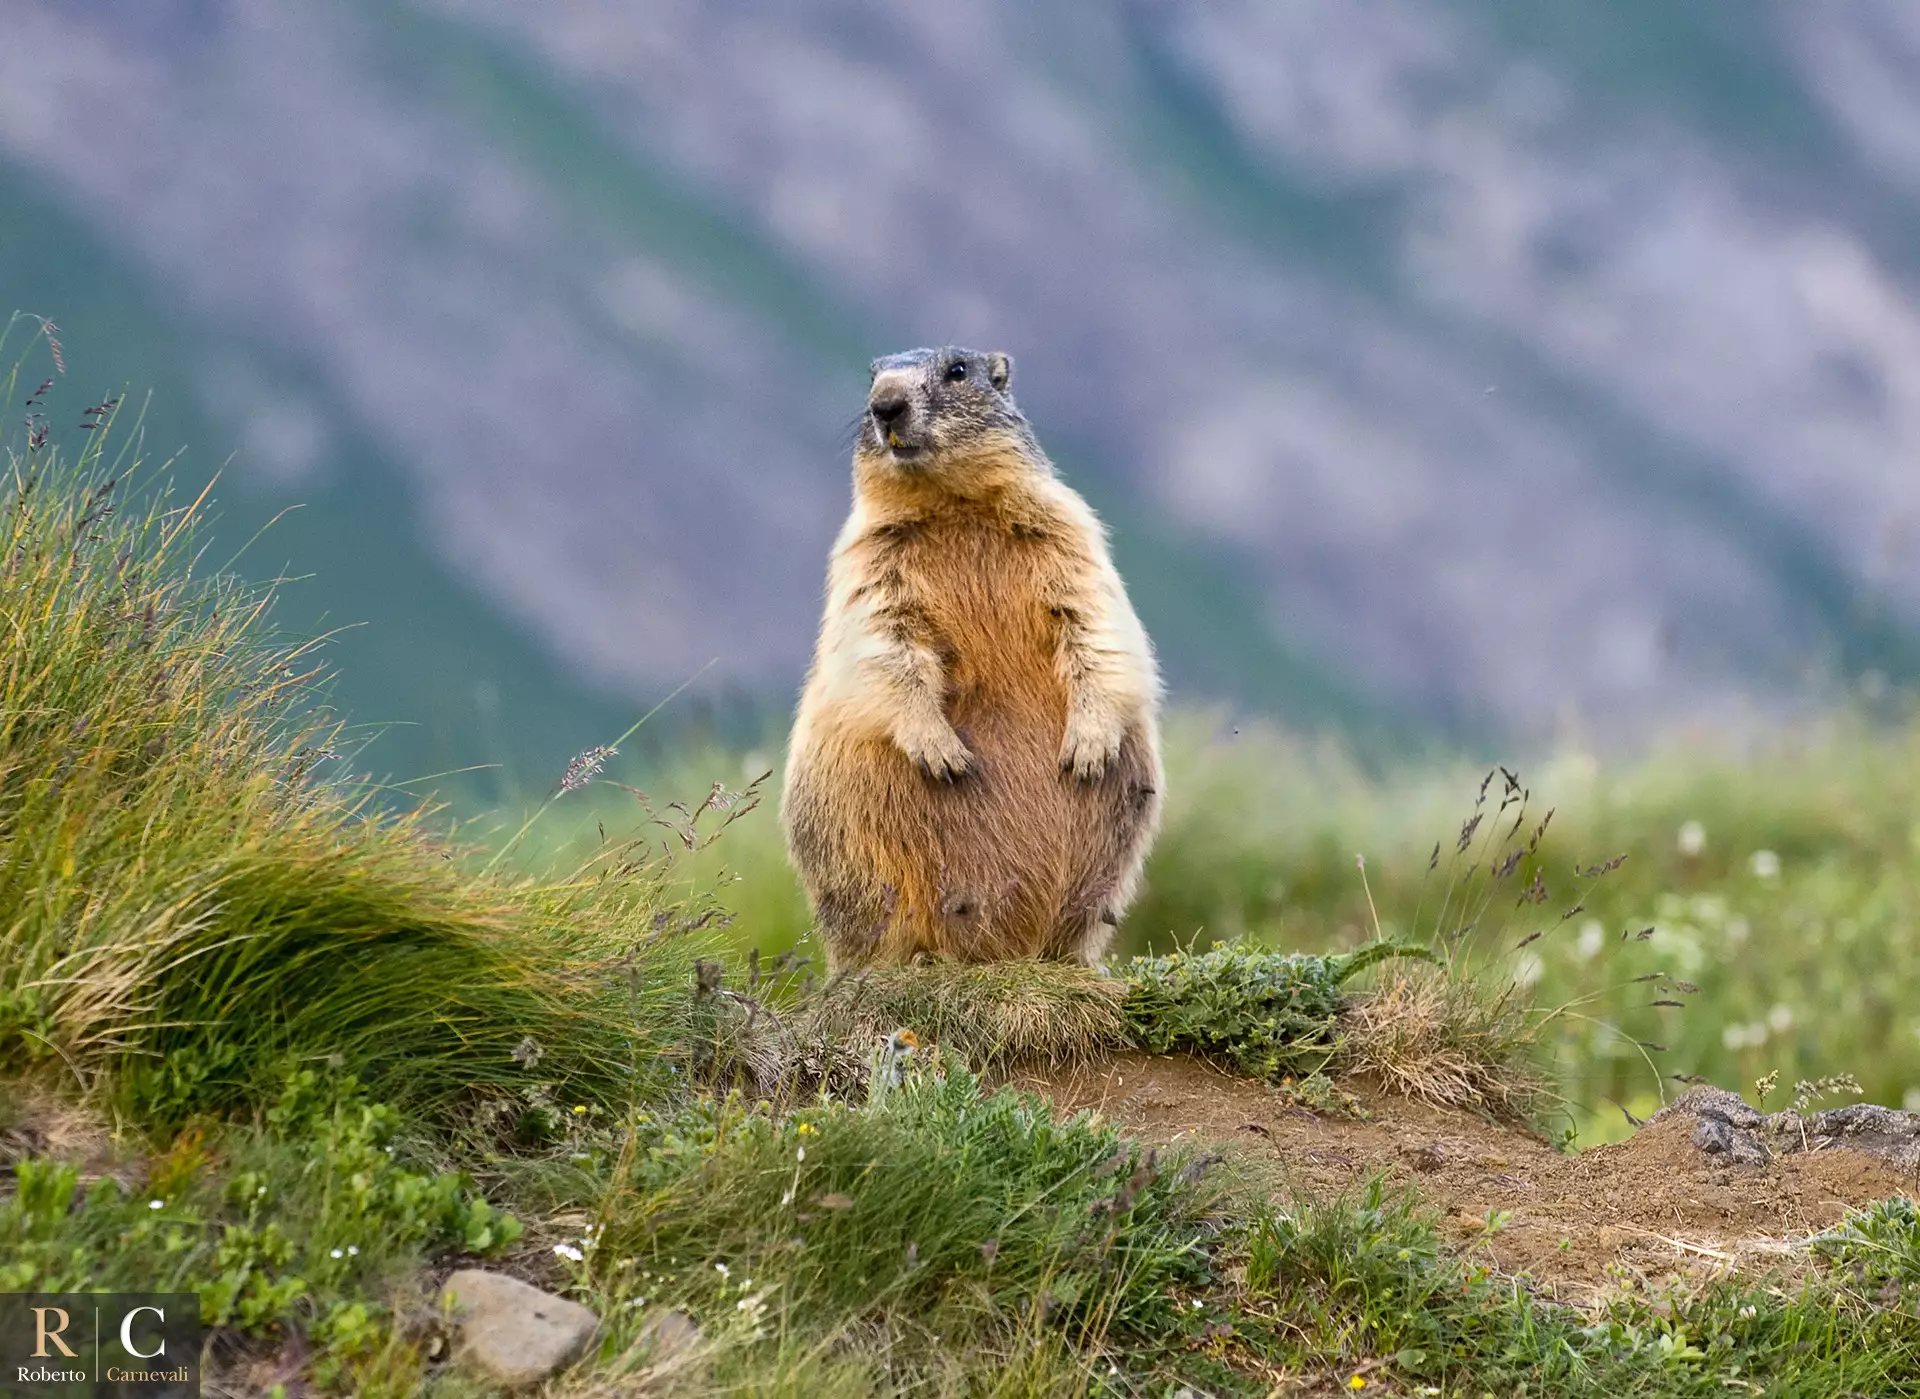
<point>888,408</point>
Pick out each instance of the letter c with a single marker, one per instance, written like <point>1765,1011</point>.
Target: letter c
<point>126,1333</point>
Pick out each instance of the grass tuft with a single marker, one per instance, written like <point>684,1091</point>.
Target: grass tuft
<point>1448,1041</point>
<point>993,1014</point>
<point>193,895</point>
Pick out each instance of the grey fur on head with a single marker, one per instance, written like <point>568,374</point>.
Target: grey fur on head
<point>927,403</point>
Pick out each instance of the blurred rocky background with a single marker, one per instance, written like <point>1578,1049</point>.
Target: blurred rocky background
<point>1446,371</point>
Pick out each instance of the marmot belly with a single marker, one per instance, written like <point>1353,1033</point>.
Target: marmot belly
<point>1013,860</point>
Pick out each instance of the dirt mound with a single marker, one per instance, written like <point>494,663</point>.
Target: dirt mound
<point>1655,1204</point>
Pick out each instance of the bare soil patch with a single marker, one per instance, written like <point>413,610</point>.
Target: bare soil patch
<point>1653,1205</point>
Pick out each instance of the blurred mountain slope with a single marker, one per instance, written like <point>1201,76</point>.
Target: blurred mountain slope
<point>1447,366</point>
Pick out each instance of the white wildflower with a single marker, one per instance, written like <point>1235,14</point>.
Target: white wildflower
<point>568,1251</point>
<point>1693,839</point>
<point>1766,864</point>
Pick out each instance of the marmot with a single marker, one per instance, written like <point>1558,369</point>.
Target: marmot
<point>974,771</point>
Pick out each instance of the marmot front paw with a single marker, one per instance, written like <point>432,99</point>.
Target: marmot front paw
<point>1092,742</point>
<point>938,753</point>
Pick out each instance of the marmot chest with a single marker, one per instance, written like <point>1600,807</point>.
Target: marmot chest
<point>980,590</point>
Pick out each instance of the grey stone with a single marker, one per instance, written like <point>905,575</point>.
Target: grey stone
<point>513,1331</point>
<point>1716,1136</point>
<point>668,1335</point>
<point>1729,1127</point>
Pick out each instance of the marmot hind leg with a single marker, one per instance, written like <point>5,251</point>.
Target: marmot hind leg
<point>1084,934</point>
<point>1112,831</point>
<point>853,925</point>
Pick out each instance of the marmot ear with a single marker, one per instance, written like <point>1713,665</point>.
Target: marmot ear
<point>1000,368</point>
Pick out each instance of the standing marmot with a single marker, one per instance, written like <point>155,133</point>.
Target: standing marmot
<point>975,768</point>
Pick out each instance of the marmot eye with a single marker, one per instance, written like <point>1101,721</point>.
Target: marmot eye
<point>957,371</point>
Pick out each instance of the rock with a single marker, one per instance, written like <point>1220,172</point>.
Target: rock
<point>1716,1136</point>
<point>1727,1126</point>
<point>513,1331</point>
<point>667,1336</point>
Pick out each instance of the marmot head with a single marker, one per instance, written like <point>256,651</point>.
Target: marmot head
<point>933,408</point>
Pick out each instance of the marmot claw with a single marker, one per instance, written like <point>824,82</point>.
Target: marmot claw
<point>943,758</point>
<point>1088,749</point>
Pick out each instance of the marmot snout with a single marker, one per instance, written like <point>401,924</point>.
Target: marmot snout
<point>974,770</point>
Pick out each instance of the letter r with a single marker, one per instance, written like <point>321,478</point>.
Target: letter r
<point>45,1333</point>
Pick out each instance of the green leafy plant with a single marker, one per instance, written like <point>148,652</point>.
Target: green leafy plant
<point>1879,1245</point>
<point>1269,1014</point>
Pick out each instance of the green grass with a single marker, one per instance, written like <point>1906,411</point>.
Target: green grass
<point>183,876</point>
<point>344,1049</point>
<point>1369,1274</point>
<point>939,1222</point>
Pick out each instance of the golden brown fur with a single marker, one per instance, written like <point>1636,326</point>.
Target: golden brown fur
<point>974,771</point>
